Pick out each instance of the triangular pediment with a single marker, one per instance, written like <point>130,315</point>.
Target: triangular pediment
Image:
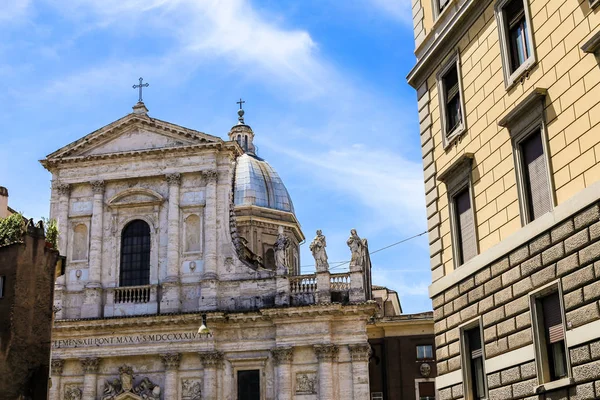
<point>133,133</point>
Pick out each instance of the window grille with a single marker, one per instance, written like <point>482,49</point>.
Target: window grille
<point>135,254</point>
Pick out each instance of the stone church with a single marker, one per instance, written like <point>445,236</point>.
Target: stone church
<point>183,274</point>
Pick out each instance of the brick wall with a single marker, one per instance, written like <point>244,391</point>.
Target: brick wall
<point>500,294</point>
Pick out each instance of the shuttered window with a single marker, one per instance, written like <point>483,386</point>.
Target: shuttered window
<point>452,100</point>
<point>465,226</point>
<point>426,391</point>
<point>474,358</point>
<point>535,179</point>
<point>554,335</point>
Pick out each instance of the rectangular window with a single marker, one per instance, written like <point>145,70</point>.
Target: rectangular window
<point>536,186</point>
<point>424,352</point>
<point>2,279</point>
<point>248,385</point>
<point>465,226</point>
<point>550,336</point>
<point>474,370</point>
<point>451,101</point>
<point>515,38</point>
<point>426,391</point>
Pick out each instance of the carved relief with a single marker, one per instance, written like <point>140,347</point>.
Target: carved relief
<point>145,390</point>
<point>326,352</point>
<point>283,355</point>
<point>173,179</point>
<point>90,365</point>
<point>80,242</point>
<point>425,370</point>
<point>210,176</point>
<point>63,189</point>
<point>192,233</point>
<point>306,383</point>
<point>191,389</point>
<point>97,187</point>
<point>211,359</point>
<point>360,352</point>
<point>73,392</point>
<point>171,360</point>
<point>56,366</point>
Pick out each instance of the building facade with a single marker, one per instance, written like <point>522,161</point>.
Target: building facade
<point>167,229</point>
<point>509,109</point>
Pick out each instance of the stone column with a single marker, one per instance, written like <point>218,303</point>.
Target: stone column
<point>211,361</point>
<point>171,291</point>
<point>56,370</point>
<point>62,220</point>
<point>171,363</point>
<point>360,369</point>
<point>90,370</point>
<point>210,225</point>
<point>283,358</point>
<point>92,302</point>
<point>326,354</point>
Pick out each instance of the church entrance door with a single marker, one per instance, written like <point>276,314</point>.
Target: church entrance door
<point>248,385</point>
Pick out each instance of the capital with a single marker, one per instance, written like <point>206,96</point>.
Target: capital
<point>90,365</point>
<point>63,189</point>
<point>283,355</point>
<point>173,179</point>
<point>326,352</point>
<point>210,175</point>
<point>56,366</point>
<point>360,352</point>
<point>170,360</point>
<point>211,359</point>
<point>97,187</point>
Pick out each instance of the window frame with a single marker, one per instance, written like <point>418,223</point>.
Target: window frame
<point>122,261</point>
<point>436,8</point>
<point>511,78</point>
<point>467,374</point>
<point>594,3</point>
<point>461,128</point>
<point>539,339</point>
<point>424,358</point>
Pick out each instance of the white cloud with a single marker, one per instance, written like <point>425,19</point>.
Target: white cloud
<point>397,9</point>
<point>13,10</point>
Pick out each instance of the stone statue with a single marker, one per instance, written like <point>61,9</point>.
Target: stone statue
<point>148,390</point>
<point>280,248</point>
<point>358,248</point>
<point>111,389</point>
<point>318,250</point>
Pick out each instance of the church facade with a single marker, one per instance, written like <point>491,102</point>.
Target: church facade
<point>166,230</point>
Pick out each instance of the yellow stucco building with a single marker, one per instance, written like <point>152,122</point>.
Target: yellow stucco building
<point>509,110</point>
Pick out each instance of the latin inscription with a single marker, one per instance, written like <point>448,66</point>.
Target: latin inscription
<point>118,340</point>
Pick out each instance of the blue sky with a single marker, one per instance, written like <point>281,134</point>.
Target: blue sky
<point>325,95</point>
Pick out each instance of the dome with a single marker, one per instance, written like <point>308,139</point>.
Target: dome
<point>257,184</point>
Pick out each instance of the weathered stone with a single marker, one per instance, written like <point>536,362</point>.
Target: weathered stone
<point>486,304</point>
<point>561,394</point>
<point>451,294</point>
<point>590,253</point>
<point>540,243</point>
<point>475,294</point>
<point>510,375</point>
<point>585,391</point>
<point>523,320</point>
<point>583,315</point>
<point>457,391</point>
<point>460,302</point>
<point>523,286</point>
<point>452,335</point>
<point>496,347</point>
<point>520,339</point>
<point>595,350</point>
<point>597,269</point>
<point>502,393</point>
<point>493,316</point>
<point>523,389</point>
<point>453,349</point>
<point>544,276</point>
<point>595,231</point>
<point>438,301</point>
<point>578,278</point>
<point>500,266</point>
<point>440,340</point>
<point>454,364</point>
<point>573,299</point>
<point>445,394</point>
<point>503,296</point>
<point>580,355</point>
<point>493,285</point>
<point>469,312</point>
<point>562,231</point>
<point>587,372</point>
<point>441,353</point>
<point>553,254</point>
<point>440,326</point>
<point>528,370</point>
<point>483,276</point>
<point>506,327</point>
<point>587,217</point>
<point>438,313</point>
<point>466,285</point>
<point>567,264</point>
<point>517,306</point>
<point>592,291</point>
<point>530,266</point>
<point>489,334</point>
<point>577,241</point>
<point>517,256</point>
<point>442,367</point>
<point>511,276</point>
<point>453,320</point>
<point>493,380</point>
<point>448,308</point>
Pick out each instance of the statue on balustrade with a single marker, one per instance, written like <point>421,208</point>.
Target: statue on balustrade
<point>317,247</point>
<point>280,248</point>
<point>359,249</point>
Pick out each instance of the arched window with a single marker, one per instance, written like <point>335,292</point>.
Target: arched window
<point>135,254</point>
<point>80,242</point>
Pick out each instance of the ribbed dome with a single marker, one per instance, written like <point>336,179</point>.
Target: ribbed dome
<point>257,183</point>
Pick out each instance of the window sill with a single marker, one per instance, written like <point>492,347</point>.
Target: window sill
<point>516,76</point>
<point>456,134</point>
<point>554,385</point>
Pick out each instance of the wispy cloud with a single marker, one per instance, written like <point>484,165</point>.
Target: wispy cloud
<point>13,10</point>
<point>398,9</point>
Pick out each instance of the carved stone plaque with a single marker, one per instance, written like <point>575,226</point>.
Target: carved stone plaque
<point>191,389</point>
<point>306,383</point>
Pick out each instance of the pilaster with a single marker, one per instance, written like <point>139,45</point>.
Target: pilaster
<point>360,369</point>
<point>56,370</point>
<point>210,266</point>
<point>326,354</point>
<point>90,370</point>
<point>282,358</point>
<point>171,290</point>
<point>62,221</point>
<point>212,361</point>
<point>171,363</point>
<point>92,303</point>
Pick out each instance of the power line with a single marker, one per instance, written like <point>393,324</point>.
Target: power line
<point>339,264</point>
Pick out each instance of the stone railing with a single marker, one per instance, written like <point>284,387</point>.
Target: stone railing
<point>340,282</point>
<point>133,294</point>
<point>131,300</point>
<point>303,284</point>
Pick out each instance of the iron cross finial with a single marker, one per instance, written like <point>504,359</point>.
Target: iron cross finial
<point>240,102</point>
<point>140,86</point>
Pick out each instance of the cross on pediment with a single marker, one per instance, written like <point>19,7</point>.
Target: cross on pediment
<point>141,86</point>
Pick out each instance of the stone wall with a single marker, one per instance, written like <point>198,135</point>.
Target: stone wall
<point>499,293</point>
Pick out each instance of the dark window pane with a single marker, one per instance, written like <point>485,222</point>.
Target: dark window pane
<point>426,390</point>
<point>135,254</point>
<point>452,99</point>
<point>248,385</point>
<point>537,188</point>
<point>517,33</point>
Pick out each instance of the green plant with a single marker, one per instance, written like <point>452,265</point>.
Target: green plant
<point>12,229</point>
<point>51,231</point>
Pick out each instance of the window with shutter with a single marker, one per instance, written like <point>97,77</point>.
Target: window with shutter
<point>465,226</point>
<point>426,391</point>
<point>554,335</point>
<point>451,100</point>
<point>535,179</point>
<point>475,387</point>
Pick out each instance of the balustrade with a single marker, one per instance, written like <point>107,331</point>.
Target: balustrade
<point>303,284</point>
<point>133,294</point>
<point>340,282</point>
